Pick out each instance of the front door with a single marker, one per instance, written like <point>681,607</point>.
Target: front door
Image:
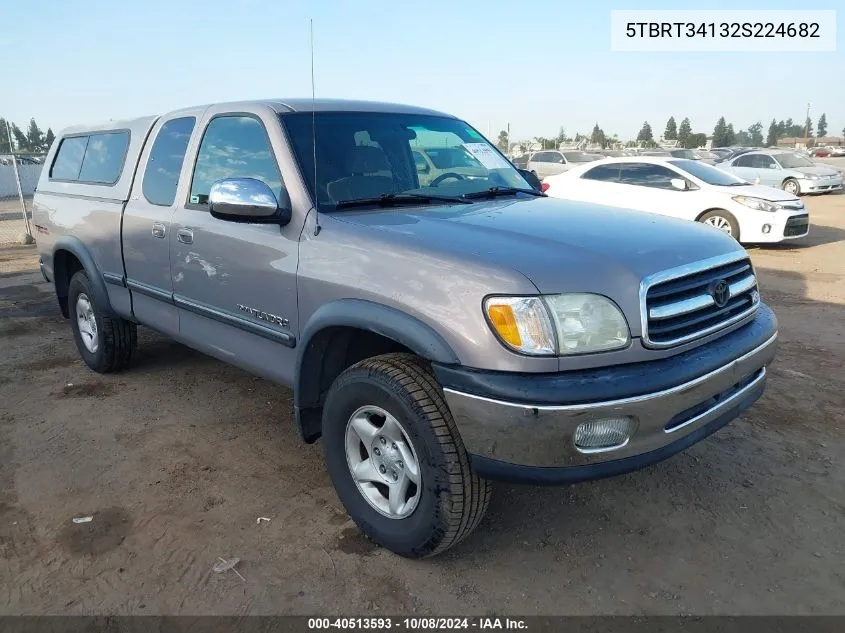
<point>235,283</point>
<point>147,222</point>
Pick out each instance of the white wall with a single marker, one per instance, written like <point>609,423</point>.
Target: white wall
<point>29,179</point>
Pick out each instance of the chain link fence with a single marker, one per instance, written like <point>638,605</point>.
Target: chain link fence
<point>19,175</point>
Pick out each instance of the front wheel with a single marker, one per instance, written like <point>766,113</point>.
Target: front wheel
<point>790,185</point>
<point>396,459</point>
<point>722,220</point>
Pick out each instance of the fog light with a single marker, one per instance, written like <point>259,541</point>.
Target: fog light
<point>767,228</point>
<point>603,434</point>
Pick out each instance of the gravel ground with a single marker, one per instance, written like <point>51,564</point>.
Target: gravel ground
<point>178,457</point>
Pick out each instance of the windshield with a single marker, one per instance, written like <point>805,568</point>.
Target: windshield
<point>791,161</point>
<point>707,174</point>
<point>684,153</point>
<point>579,157</point>
<point>367,155</point>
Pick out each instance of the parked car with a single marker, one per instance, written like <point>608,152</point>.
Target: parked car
<point>828,152</point>
<point>693,154</point>
<point>690,190</point>
<point>435,164</point>
<point>551,162</point>
<point>785,170</point>
<point>521,162</point>
<point>435,336</point>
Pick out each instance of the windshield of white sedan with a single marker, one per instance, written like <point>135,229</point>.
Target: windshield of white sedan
<point>706,173</point>
<point>791,161</point>
<point>391,157</point>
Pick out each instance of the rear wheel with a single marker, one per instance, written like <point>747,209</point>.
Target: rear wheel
<point>106,343</point>
<point>722,220</point>
<point>790,185</point>
<point>396,459</point>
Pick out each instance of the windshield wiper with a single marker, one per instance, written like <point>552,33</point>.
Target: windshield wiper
<point>391,199</point>
<point>492,192</point>
<point>737,184</point>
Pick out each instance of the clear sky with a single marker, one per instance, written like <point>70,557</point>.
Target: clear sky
<point>538,65</point>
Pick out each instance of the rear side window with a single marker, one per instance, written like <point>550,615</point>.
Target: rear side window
<point>69,158</point>
<point>161,176</point>
<point>647,175</point>
<point>745,161</point>
<point>95,158</point>
<point>606,173</point>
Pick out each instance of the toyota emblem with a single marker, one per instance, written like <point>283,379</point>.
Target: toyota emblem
<point>721,293</point>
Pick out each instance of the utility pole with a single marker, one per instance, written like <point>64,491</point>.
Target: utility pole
<point>807,126</point>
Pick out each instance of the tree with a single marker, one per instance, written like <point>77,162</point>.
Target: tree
<point>696,140</point>
<point>755,134</point>
<point>772,136</point>
<point>5,145</point>
<point>671,133</point>
<point>21,142</point>
<point>543,142</point>
<point>808,128</point>
<point>502,142</point>
<point>561,137</point>
<point>34,137</point>
<point>645,133</point>
<point>49,138</point>
<point>821,126</point>
<point>742,138</point>
<point>598,136</point>
<point>730,135</point>
<point>684,132</point>
<point>720,133</point>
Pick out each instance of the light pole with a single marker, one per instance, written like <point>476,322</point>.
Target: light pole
<point>807,127</point>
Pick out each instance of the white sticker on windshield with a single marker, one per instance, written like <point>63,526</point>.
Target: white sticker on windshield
<point>486,155</point>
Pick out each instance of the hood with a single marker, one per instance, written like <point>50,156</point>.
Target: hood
<point>816,170</point>
<point>560,245</point>
<point>772,194</point>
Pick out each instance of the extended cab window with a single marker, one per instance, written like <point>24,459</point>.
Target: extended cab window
<point>165,163</point>
<point>234,147</point>
<point>647,175</point>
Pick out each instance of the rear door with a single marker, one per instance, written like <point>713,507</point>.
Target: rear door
<point>147,221</point>
<point>235,283</point>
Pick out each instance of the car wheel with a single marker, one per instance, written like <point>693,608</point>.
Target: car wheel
<point>790,185</point>
<point>722,220</point>
<point>106,343</point>
<point>397,460</point>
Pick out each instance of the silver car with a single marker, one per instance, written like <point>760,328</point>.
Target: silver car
<point>786,170</point>
<point>553,162</point>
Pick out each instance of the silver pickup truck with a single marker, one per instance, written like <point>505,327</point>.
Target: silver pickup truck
<point>437,336</point>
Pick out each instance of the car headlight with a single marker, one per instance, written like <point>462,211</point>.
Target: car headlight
<point>809,176</point>
<point>549,325</point>
<point>758,204</point>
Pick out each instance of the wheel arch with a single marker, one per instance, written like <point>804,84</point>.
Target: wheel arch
<point>344,332</point>
<point>70,255</point>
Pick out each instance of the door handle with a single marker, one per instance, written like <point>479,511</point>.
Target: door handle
<point>159,230</point>
<point>186,236</point>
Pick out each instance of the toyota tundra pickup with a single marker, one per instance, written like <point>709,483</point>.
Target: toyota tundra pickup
<point>438,333</point>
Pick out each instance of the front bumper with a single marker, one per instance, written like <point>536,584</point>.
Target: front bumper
<point>673,402</point>
<point>821,185</point>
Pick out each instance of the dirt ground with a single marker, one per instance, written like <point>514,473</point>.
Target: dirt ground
<point>177,458</point>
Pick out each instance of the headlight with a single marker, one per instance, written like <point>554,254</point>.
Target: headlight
<point>758,204</point>
<point>810,176</point>
<point>558,324</point>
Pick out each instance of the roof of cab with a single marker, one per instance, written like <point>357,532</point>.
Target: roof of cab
<point>289,106</point>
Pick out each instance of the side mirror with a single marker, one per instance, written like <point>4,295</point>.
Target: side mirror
<point>532,179</point>
<point>679,183</point>
<point>248,200</point>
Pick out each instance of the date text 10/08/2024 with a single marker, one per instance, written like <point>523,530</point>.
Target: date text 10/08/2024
<point>417,624</point>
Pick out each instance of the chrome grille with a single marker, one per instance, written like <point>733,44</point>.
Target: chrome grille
<point>680,305</point>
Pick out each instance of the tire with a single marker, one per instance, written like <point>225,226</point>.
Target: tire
<point>722,220</point>
<point>112,340</point>
<point>790,185</point>
<point>450,499</point>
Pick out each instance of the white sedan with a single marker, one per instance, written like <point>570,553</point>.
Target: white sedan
<point>687,189</point>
